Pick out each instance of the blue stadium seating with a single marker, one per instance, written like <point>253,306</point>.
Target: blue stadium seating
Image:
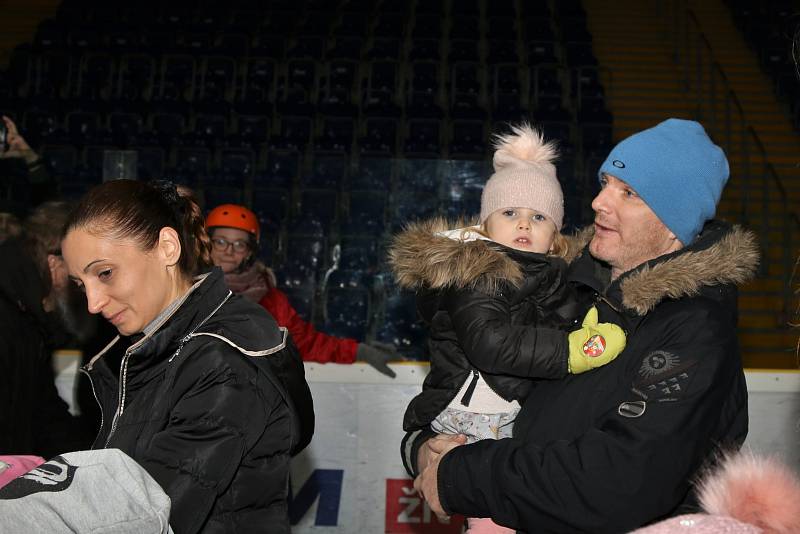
<point>330,119</point>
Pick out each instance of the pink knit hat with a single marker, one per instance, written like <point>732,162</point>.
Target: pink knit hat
<point>524,176</point>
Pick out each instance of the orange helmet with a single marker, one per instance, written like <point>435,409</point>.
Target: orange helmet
<point>234,216</point>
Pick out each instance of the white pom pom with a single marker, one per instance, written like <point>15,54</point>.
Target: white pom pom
<point>524,143</point>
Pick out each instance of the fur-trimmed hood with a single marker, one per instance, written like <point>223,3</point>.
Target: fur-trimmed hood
<point>422,256</point>
<point>722,254</point>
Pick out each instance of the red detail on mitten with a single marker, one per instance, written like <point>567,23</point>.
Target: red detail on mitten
<point>595,346</point>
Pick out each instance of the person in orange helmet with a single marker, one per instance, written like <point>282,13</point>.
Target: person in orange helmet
<point>235,233</point>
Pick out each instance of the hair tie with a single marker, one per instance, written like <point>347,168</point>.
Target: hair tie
<point>169,193</point>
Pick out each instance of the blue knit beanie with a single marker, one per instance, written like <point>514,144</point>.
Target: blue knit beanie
<point>676,169</point>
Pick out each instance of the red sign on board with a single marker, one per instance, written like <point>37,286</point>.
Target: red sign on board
<point>406,512</point>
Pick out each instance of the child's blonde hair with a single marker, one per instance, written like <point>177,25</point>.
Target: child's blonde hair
<point>560,246</point>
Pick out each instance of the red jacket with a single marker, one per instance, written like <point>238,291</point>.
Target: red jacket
<point>313,346</point>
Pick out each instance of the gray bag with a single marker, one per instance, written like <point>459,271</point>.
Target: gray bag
<point>100,491</point>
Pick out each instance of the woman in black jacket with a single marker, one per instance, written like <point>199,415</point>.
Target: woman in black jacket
<point>210,396</point>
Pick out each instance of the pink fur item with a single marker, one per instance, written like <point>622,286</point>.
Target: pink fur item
<point>756,490</point>
<point>745,494</point>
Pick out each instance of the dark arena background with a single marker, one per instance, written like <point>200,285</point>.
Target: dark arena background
<point>339,121</point>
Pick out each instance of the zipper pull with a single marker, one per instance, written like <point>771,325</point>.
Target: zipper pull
<point>180,347</point>
<point>471,389</point>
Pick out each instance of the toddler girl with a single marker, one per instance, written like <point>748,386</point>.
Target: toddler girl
<point>496,301</point>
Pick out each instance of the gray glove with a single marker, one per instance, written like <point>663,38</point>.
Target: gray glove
<point>378,354</point>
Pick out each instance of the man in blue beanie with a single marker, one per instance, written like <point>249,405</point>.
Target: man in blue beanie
<point>618,448</point>
<point>674,174</point>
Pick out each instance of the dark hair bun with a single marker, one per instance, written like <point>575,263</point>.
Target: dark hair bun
<point>169,192</point>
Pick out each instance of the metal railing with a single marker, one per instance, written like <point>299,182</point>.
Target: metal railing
<point>717,106</point>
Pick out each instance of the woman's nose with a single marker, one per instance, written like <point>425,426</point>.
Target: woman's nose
<point>95,300</point>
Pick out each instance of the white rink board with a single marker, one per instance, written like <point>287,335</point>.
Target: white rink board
<point>359,415</point>
<point>356,447</point>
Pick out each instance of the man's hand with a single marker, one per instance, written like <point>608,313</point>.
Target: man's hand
<point>432,448</point>
<point>378,355</point>
<point>426,483</point>
<point>17,146</point>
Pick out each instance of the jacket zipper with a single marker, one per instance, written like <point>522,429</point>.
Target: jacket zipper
<point>601,297</point>
<point>94,394</point>
<point>129,353</point>
<point>465,400</point>
<point>120,397</point>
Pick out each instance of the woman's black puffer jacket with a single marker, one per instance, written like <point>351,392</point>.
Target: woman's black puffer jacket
<point>212,404</point>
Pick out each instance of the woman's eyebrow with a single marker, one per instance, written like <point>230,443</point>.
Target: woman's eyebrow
<point>86,269</point>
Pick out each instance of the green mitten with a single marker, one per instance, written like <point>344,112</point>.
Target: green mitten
<point>594,344</point>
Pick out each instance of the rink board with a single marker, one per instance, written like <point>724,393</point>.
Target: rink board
<point>351,480</point>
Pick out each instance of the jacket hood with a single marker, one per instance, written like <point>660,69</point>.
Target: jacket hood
<point>722,254</point>
<point>421,256</point>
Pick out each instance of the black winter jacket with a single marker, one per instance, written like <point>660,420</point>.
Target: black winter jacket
<point>614,449</point>
<point>490,309</point>
<point>33,418</point>
<point>198,409</point>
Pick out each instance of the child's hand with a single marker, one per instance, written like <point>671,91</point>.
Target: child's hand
<point>594,344</point>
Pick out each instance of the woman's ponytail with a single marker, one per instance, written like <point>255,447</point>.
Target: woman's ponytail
<point>196,236</point>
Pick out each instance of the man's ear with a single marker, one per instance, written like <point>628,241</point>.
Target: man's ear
<point>675,243</point>
<point>169,246</point>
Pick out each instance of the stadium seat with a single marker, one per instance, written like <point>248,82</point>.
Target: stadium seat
<point>253,129</point>
<point>168,127</point>
<point>423,136</point>
<point>217,78</point>
<point>410,206</point>
<point>372,172</point>
<point>281,168</point>
<point>468,138</point>
<point>346,311</point>
<point>271,206</point>
<point>360,252</point>
<point>465,27</point>
<point>150,162</point>
<point>294,132</point>
<point>216,195</point>
<point>400,324</point>
<point>366,213</point>
<point>306,252</point>
<point>328,170</point>
<point>319,205</point>
<point>125,127</point>
<point>502,51</point>
<point>61,159</point>
<point>300,286</point>
<point>380,135</point>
